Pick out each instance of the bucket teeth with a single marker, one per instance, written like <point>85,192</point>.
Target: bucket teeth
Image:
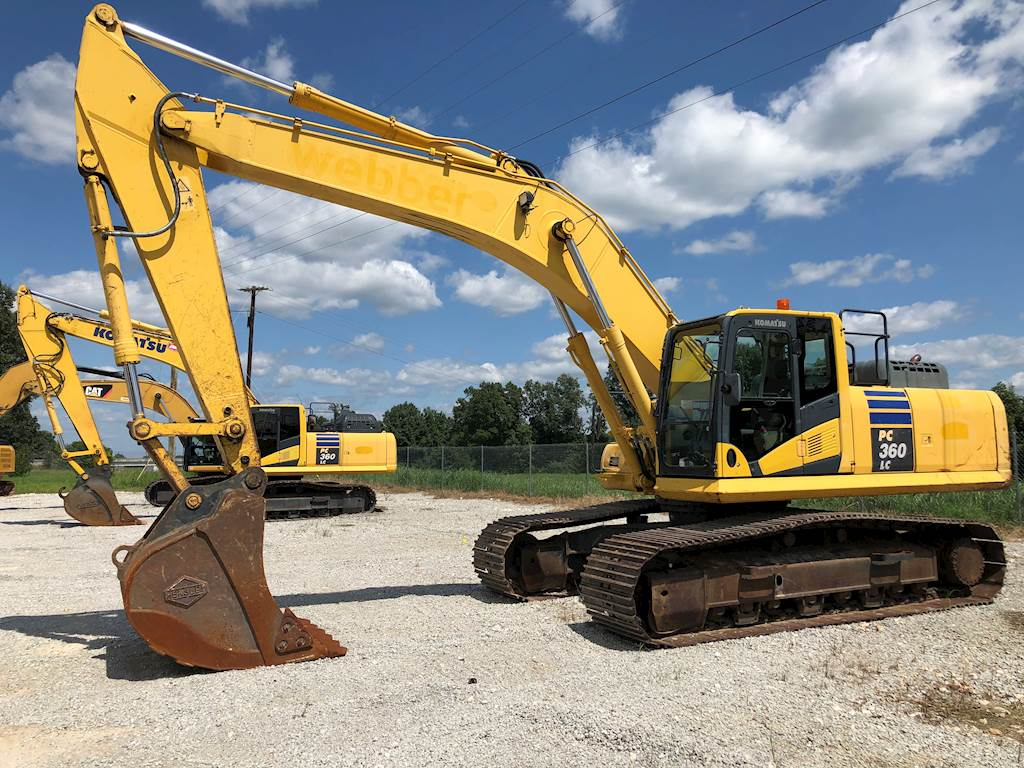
<point>324,645</point>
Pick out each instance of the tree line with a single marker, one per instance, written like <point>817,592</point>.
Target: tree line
<point>539,412</point>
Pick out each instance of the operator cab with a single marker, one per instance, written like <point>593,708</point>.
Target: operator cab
<point>751,380</point>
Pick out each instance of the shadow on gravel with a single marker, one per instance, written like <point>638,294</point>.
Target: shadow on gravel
<point>588,630</point>
<point>368,594</point>
<point>58,523</point>
<point>22,509</point>
<point>126,654</point>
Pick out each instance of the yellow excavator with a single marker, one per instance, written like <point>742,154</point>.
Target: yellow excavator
<point>51,372</point>
<point>292,444</point>
<point>739,413</point>
<point>92,501</point>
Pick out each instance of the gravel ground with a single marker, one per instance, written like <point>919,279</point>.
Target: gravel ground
<point>78,687</point>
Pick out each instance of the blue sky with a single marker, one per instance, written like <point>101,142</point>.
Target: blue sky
<point>884,173</point>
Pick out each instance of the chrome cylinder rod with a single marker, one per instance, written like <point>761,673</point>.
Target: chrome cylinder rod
<point>157,40</point>
<point>563,311</point>
<point>588,283</point>
<point>66,303</point>
<point>131,378</point>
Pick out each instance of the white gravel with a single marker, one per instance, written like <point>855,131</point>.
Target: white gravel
<point>78,687</point>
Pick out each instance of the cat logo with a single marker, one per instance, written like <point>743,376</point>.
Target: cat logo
<point>97,391</point>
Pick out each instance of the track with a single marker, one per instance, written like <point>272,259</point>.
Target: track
<point>495,553</point>
<point>665,584</point>
<point>289,499</point>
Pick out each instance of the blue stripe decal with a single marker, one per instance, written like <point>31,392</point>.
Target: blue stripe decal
<point>884,393</point>
<point>890,418</point>
<point>328,441</point>
<point>899,405</point>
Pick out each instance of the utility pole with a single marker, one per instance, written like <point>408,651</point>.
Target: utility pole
<point>252,290</point>
<point>172,442</point>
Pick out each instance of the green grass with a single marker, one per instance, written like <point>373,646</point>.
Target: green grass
<point>541,484</point>
<point>998,507</point>
<point>52,480</point>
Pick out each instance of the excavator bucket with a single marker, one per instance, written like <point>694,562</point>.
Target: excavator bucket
<point>93,502</point>
<point>194,586</point>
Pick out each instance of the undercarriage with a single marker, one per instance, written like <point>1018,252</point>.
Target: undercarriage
<point>645,574</point>
<point>288,497</point>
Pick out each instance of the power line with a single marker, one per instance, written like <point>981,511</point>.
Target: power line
<point>442,60</point>
<point>306,237</point>
<point>380,353</point>
<point>734,86</point>
<point>676,71</point>
<point>527,60</point>
<point>262,238</point>
<point>315,250</point>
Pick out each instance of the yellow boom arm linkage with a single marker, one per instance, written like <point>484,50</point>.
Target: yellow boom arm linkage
<point>451,186</point>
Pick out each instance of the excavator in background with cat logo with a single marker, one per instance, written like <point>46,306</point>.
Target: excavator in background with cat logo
<point>293,444</point>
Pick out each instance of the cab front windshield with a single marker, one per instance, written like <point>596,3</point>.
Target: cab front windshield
<point>687,444</point>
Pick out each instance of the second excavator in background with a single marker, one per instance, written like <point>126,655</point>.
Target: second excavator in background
<point>739,413</point>
<point>292,445</point>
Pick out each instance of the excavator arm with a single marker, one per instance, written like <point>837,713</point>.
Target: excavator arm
<point>139,144</point>
<point>141,141</point>
<point>51,372</point>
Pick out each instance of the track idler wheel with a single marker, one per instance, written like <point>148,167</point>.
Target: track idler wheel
<point>195,590</point>
<point>93,502</point>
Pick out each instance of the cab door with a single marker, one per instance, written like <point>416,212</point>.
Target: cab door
<point>763,416</point>
<point>818,396</point>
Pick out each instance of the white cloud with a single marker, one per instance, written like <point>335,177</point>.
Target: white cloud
<point>316,255</point>
<point>353,377</point>
<point>909,318</point>
<point>322,80</point>
<point>393,287</point>
<point>509,293</point>
<point>83,286</point>
<point>1017,380</point>
<point>369,340</point>
<point>793,203</point>
<point>428,262</point>
<point>275,62</point>
<point>37,112</point>
<point>415,115</point>
<point>548,361</point>
<point>460,121</point>
<point>667,284</point>
<point>986,351</point>
<point>851,273</point>
<point>262,363</point>
<point>914,84</point>
<point>310,350</point>
<point>602,19</point>
<point>949,159</point>
<point>237,11</point>
<point>737,240</point>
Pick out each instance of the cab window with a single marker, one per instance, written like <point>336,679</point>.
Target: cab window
<point>686,422</point>
<point>764,417</point>
<point>817,369</point>
<point>762,361</point>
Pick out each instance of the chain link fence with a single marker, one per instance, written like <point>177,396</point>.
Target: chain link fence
<point>566,470</point>
<point>562,470</point>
